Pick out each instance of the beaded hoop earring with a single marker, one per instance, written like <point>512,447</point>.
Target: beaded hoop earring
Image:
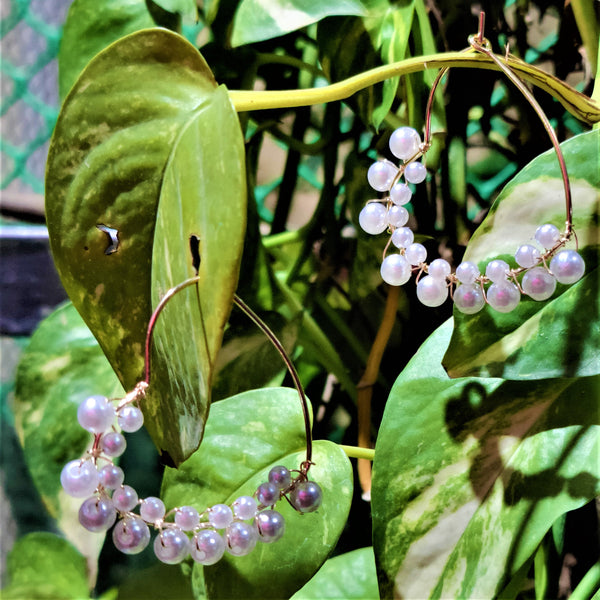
<point>540,267</point>
<point>234,528</point>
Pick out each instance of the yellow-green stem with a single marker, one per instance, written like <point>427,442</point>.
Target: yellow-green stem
<point>356,452</point>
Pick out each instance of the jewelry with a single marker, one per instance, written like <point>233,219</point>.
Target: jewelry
<point>541,266</point>
<point>182,531</point>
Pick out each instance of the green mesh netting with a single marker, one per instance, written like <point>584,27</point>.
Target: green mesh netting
<point>29,38</point>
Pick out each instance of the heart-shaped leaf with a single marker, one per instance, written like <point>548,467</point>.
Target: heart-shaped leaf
<point>62,365</point>
<point>344,577</point>
<point>246,436</point>
<point>482,470</point>
<point>559,337</point>
<point>146,101</point>
<point>44,566</point>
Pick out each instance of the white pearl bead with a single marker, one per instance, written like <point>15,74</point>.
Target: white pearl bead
<point>415,172</point>
<point>79,479</point>
<point>416,254</point>
<point>503,296</point>
<point>468,298</point>
<point>431,291</point>
<point>96,414</point>
<point>380,175</point>
<point>373,218</point>
<point>405,142</point>
<point>567,266</point>
<point>527,256</point>
<point>547,235</point>
<point>538,283</point>
<point>497,271</point>
<point>220,516</point>
<point>395,269</point>
<point>130,418</point>
<point>467,272</point>
<point>403,237</point>
<point>397,216</point>
<point>207,547</point>
<point>439,269</point>
<point>152,509</point>
<point>171,546</point>
<point>400,193</point>
<point>113,444</point>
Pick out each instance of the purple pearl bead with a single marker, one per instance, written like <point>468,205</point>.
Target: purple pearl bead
<point>306,496</point>
<point>270,525</point>
<point>267,493</point>
<point>113,444</point>
<point>97,513</point>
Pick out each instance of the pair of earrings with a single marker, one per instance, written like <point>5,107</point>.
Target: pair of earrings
<point>541,264</point>
<point>182,531</point>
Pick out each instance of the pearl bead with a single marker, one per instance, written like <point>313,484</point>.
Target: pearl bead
<point>152,509</point>
<point>431,291</point>
<point>380,175</point>
<point>241,538</point>
<point>270,525</point>
<point>467,272</point>
<point>416,254</point>
<point>130,418</point>
<point>79,479</point>
<point>97,514</point>
<point>171,546</point>
<point>111,476</point>
<point>403,237</point>
<point>468,298</point>
<point>131,535</point>
<point>439,269</point>
<point>220,516</point>
<point>96,414</point>
<point>267,493</point>
<point>503,296</point>
<point>207,547</point>
<point>405,142</point>
<point>527,256</point>
<point>567,266</point>
<point>113,444</point>
<point>244,508</point>
<point>373,218</point>
<point>395,269</point>
<point>187,518</point>
<point>547,235</point>
<point>397,216</point>
<point>497,271</point>
<point>280,477</point>
<point>538,283</point>
<point>400,193</point>
<point>415,172</point>
<point>306,496</point>
<point>125,498</point>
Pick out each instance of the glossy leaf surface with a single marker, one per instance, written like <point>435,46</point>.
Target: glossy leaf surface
<point>90,27</point>
<point>245,436</point>
<point>44,566</point>
<point>256,20</point>
<point>345,577</point>
<point>559,337</point>
<point>203,195</point>
<point>62,366</point>
<point>108,167</point>
<point>482,470</point>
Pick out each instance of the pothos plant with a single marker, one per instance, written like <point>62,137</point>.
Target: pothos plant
<point>486,436</point>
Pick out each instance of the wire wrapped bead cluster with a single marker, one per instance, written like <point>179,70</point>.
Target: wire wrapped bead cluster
<point>183,531</point>
<point>541,264</point>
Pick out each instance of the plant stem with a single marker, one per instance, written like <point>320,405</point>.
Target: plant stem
<point>585,17</point>
<point>588,585</point>
<point>356,452</point>
<point>365,385</point>
<point>578,104</point>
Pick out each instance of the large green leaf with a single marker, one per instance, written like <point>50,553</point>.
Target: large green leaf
<point>92,25</point>
<point>256,20</point>
<point>348,576</point>
<point>62,365</point>
<point>480,472</point>
<point>46,567</point>
<point>245,436</point>
<point>203,195</point>
<point>147,97</point>
<point>559,337</point>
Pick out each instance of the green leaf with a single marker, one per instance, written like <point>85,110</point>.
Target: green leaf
<point>90,27</point>
<point>186,8</point>
<point>62,365</point>
<point>246,436</point>
<point>482,470</point>
<point>109,164</point>
<point>159,582</point>
<point>206,168</point>
<point>559,337</point>
<point>256,20</point>
<point>43,566</point>
<point>345,577</point>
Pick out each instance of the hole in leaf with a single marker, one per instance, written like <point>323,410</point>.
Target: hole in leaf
<point>195,250</point>
<point>113,236</point>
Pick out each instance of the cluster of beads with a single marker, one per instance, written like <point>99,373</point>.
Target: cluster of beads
<point>541,267</point>
<point>182,531</point>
